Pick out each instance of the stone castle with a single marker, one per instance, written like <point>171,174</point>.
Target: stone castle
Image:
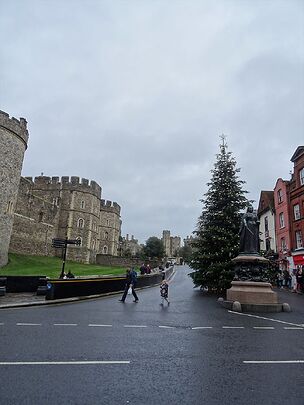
<point>34,211</point>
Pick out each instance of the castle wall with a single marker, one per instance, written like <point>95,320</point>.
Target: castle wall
<point>13,143</point>
<point>34,223</point>
<point>49,207</point>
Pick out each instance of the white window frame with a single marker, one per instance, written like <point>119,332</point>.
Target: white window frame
<point>301,174</point>
<point>80,223</point>
<point>299,239</point>
<point>280,195</point>
<point>296,212</point>
<point>281,220</point>
<point>283,245</point>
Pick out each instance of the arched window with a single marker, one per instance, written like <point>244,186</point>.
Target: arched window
<point>10,207</point>
<point>106,235</point>
<point>108,222</point>
<point>40,219</point>
<point>80,223</point>
<point>82,205</point>
<point>105,250</point>
<point>93,244</point>
<point>80,239</point>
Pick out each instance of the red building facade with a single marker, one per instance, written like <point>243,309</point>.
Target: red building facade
<point>282,221</point>
<point>296,208</point>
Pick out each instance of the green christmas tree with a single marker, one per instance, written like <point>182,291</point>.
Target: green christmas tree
<point>217,233</point>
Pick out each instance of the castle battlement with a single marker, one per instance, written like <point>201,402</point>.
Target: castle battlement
<point>110,206</point>
<point>67,182</point>
<point>17,127</point>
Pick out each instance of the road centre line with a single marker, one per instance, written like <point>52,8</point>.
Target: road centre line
<point>94,324</point>
<point>273,361</point>
<point>42,363</point>
<point>201,327</point>
<point>263,327</point>
<point>135,326</point>
<point>166,327</point>
<point>233,327</point>
<point>65,324</point>
<point>28,324</point>
<point>293,328</point>
<point>267,319</point>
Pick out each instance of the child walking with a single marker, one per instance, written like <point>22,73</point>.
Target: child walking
<point>164,291</point>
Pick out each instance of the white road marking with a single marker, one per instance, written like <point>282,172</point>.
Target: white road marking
<point>202,327</point>
<point>166,327</point>
<point>35,363</point>
<point>94,324</point>
<point>1,324</point>
<point>293,328</point>
<point>135,326</point>
<point>273,361</point>
<point>267,319</point>
<point>65,324</point>
<point>233,327</point>
<point>263,327</point>
<point>28,324</point>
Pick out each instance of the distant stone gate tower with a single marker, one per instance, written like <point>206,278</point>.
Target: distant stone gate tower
<point>13,143</point>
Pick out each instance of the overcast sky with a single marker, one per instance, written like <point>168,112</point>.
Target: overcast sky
<point>135,94</point>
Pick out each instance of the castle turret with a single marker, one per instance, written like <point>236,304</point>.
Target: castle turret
<point>13,143</point>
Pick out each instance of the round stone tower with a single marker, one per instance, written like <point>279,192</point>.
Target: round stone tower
<point>13,143</point>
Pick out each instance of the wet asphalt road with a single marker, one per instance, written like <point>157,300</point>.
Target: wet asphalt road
<point>193,352</point>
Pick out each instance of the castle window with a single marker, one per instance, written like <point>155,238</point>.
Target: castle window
<point>82,205</point>
<point>10,207</point>
<point>79,238</point>
<point>93,244</point>
<point>80,223</point>
<point>40,219</point>
<point>105,250</point>
<point>106,235</point>
<point>56,201</point>
<point>108,222</point>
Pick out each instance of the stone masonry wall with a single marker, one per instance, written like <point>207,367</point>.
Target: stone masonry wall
<point>13,143</point>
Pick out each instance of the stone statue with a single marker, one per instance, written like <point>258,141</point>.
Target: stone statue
<point>249,233</point>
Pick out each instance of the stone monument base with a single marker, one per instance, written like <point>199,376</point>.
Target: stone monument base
<point>251,292</point>
<point>251,296</point>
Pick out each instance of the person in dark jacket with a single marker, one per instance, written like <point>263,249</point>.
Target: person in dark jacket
<point>131,280</point>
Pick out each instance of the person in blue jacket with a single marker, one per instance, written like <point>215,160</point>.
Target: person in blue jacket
<point>131,281</point>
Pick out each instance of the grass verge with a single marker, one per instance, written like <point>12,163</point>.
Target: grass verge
<point>24,265</point>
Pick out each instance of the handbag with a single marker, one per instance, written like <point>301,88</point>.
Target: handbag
<point>130,290</point>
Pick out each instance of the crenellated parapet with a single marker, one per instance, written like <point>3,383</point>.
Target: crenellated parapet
<point>16,127</point>
<point>110,206</point>
<point>67,182</point>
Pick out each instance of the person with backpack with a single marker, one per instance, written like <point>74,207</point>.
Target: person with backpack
<point>131,281</point>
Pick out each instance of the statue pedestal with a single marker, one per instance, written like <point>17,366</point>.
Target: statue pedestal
<point>251,292</point>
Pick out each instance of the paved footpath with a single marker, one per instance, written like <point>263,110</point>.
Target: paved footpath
<point>193,352</point>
